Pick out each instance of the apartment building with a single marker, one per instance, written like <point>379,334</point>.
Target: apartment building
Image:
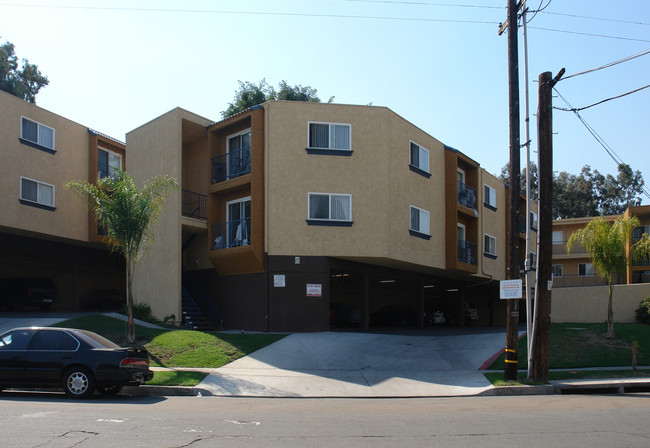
<point>575,269</point>
<point>44,230</point>
<point>304,216</point>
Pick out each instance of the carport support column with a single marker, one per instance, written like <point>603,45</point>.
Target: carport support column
<point>365,318</point>
<point>421,307</point>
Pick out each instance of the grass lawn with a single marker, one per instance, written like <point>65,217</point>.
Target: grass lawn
<point>585,345</point>
<point>177,348</point>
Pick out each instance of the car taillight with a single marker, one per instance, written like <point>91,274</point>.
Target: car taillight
<point>135,362</point>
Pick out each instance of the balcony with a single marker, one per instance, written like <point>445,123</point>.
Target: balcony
<point>559,248</point>
<point>467,252</point>
<point>195,205</point>
<point>231,234</point>
<point>234,164</point>
<point>639,261</point>
<point>578,281</point>
<point>466,196</point>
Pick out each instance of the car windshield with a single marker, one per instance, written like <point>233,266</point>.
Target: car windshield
<point>96,340</point>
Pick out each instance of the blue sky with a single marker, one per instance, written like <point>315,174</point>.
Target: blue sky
<point>114,65</point>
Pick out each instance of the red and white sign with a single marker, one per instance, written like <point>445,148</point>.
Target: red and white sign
<point>314,290</point>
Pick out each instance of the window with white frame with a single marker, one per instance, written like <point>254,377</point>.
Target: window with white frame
<point>557,270</point>
<point>585,269</point>
<point>490,245</point>
<point>327,207</point>
<point>420,221</point>
<point>533,220</point>
<point>37,133</point>
<point>108,162</point>
<point>489,196</point>
<point>558,237</point>
<point>419,157</point>
<point>332,136</point>
<point>35,192</point>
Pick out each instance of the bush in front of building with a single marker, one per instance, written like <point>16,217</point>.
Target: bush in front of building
<point>643,312</point>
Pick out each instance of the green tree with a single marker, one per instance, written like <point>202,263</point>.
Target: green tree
<point>607,243</point>
<point>534,177</point>
<point>128,215</point>
<point>250,94</point>
<point>24,82</point>
<point>574,195</point>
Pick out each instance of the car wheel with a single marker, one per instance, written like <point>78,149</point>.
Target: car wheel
<point>78,382</point>
<point>109,389</point>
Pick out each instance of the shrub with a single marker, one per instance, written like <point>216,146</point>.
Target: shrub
<point>141,311</point>
<point>643,312</point>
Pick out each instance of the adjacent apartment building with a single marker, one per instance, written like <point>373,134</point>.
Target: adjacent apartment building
<point>575,269</point>
<point>305,216</point>
<point>44,230</point>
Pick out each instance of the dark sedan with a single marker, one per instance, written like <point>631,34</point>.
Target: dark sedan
<point>78,361</point>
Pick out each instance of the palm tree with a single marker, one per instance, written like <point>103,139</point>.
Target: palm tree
<point>128,216</point>
<point>606,242</point>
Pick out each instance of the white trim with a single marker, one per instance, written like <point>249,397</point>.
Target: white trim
<point>37,201</point>
<point>557,242</point>
<point>228,203</point>
<point>108,164</point>
<point>561,269</point>
<point>38,126</point>
<point>329,195</point>
<point>585,265</point>
<point>495,244</point>
<point>236,134</point>
<point>459,171</point>
<point>329,143</point>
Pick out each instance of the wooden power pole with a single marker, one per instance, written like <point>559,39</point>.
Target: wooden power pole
<point>542,333</point>
<point>512,319</point>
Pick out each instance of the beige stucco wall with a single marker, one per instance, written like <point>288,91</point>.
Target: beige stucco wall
<point>589,304</point>
<point>377,176</point>
<point>70,162</point>
<point>156,148</point>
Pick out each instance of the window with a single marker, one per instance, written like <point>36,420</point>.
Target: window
<point>557,270</point>
<point>16,340</point>
<point>419,158</point>
<point>420,222</point>
<point>490,246</point>
<point>35,192</point>
<point>239,154</point>
<point>108,163</point>
<point>54,341</point>
<point>329,136</point>
<point>637,233</point>
<point>558,237</point>
<point>533,220</point>
<point>239,222</point>
<point>37,134</point>
<point>532,260</point>
<point>332,208</point>
<point>489,197</point>
<point>585,269</point>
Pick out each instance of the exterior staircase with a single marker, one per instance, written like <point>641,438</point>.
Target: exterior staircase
<point>194,317</point>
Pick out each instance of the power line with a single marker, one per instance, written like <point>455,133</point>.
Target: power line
<point>596,18</point>
<point>611,64</point>
<point>603,101</point>
<point>615,157</point>
<point>257,13</point>
<point>426,4</point>
<point>590,34</point>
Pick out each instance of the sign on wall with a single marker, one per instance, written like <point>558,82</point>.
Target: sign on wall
<point>314,290</point>
<point>279,281</point>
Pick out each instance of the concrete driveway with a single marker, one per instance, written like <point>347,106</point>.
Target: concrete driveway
<point>428,363</point>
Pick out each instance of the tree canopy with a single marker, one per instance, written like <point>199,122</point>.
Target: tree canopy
<point>250,94</point>
<point>589,193</point>
<point>24,82</point>
<point>128,215</point>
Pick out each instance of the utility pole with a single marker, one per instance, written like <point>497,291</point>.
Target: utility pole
<point>542,325</point>
<point>512,319</point>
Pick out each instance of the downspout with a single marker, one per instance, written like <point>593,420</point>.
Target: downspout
<point>266,218</point>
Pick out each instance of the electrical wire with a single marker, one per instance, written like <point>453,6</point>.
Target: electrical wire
<point>603,101</point>
<point>630,22</point>
<point>396,2</point>
<point>611,64</point>
<point>257,13</point>
<point>539,9</point>
<point>610,151</point>
<point>590,34</point>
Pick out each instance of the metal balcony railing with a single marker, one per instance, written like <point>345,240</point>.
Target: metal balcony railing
<point>466,195</point>
<point>234,164</point>
<point>467,252</point>
<point>560,249</point>
<point>577,281</point>
<point>231,234</point>
<point>195,205</point>
<point>639,261</point>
